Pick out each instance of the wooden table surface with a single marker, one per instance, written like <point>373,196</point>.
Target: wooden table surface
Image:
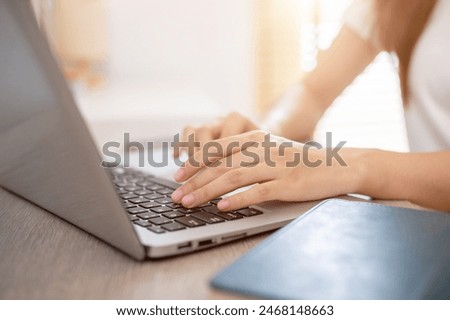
<point>44,257</point>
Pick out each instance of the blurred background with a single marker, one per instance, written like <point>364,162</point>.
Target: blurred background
<point>150,67</point>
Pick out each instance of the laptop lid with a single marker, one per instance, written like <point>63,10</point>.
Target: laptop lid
<point>46,153</point>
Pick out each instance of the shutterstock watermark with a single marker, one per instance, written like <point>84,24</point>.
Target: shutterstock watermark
<point>253,152</point>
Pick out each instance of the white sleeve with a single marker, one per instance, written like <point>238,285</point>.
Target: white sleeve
<point>360,18</point>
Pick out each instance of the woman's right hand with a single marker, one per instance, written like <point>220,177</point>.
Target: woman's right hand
<point>233,124</point>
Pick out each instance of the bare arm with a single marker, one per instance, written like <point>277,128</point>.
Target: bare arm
<point>422,178</point>
<point>298,112</point>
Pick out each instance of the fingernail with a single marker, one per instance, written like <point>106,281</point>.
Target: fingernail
<point>179,174</point>
<point>188,200</point>
<point>223,204</point>
<point>177,195</point>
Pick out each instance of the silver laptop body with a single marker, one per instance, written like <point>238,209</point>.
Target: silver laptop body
<point>48,157</point>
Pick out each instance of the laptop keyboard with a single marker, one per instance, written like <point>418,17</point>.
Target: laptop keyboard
<point>147,200</point>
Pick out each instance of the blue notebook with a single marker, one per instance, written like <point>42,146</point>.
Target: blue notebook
<point>349,250</point>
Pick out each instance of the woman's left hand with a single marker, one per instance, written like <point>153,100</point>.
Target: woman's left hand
<point>278,169</point>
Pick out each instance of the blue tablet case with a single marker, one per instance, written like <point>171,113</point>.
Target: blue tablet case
<point>349,250</point>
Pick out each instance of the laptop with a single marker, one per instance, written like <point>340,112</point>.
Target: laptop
<point>48,157</point>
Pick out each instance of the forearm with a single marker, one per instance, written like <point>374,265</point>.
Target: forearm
<point>296,115</point>
<point>422,178</point>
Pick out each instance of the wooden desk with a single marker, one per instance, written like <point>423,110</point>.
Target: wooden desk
<point>44,257</point>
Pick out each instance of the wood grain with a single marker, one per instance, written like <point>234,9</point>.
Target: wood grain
<point>44,257</point>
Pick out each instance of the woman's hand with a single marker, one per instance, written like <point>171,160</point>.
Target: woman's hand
<point>231,125</point>
<point>276,167</point>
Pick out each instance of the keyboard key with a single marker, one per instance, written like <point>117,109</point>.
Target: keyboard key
<point>133,218</point>
<point>137,210</point>
<point>205,205</point>
<point>174,226</point>
<point>149,205</point>
<point>173,214</point>
<point>142,223</point>
<point>212,209</point>
<point>248,212</point>
<point>229,215</point>
<point>165,200</point>
<point>143,192</point>
<point>165,191</point>
<point>128,196</point>
<point>138,200</point>
<point>161,209</point>
<point>129,205</point>
<point>190,222</point>
<point>133,188</point>
<point>122,191</point>
<point>159,220</point>
<point>156,229</point>
<point>174,205</point>
<point>121,184</point>
<point>154,196</point>
<point>154,187</point>
<point>148,215</point>
<point>145,183</point>
<point>188,211</point>
<point>207,217</point>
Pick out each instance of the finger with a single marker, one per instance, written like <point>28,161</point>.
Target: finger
<point>234,124</point>
<point>259,193</point>
<point>228,182</point>
<point>187,132</point>
<point>202,136</point>
<point>213,132</point>
<point>182,145</point>
<point>223,148</point>
<point>216,128</point>
<point>210,173</point>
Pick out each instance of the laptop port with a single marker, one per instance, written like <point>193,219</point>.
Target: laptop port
<point>205,242</point>
<point>234,237</point>
<point>185,245</point>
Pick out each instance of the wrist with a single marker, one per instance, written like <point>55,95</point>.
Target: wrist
<point>359,170</point>
<point>366,177</point>
<point>295,115</point>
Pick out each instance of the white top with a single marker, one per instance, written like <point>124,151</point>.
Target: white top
<point>428,112</point>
